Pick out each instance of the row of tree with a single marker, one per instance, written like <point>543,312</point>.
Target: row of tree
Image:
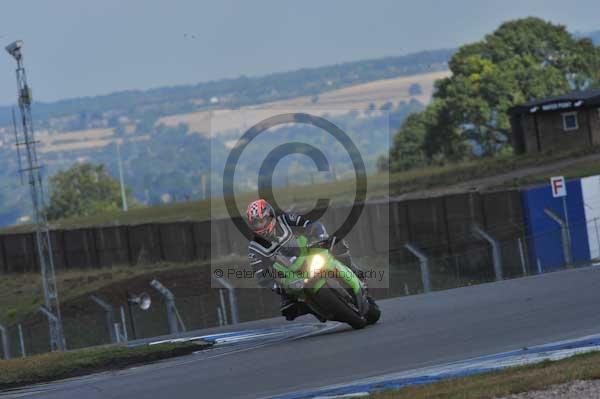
<point>522,60</point>
<point>83,190</point>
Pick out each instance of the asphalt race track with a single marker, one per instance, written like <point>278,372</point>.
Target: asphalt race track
<point>414,332</point>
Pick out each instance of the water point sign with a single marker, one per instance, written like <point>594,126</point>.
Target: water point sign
<point>558,186</point>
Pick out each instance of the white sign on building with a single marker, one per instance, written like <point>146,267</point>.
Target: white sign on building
<point>559,187</point>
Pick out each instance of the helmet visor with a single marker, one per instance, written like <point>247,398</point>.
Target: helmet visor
<point>262,223</point>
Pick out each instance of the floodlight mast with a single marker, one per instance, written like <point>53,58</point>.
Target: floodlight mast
<point>26,139</point>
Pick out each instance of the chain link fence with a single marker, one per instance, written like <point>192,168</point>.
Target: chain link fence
<point>199,306</point>
<point>548,251</point>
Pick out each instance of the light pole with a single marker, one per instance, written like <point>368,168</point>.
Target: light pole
<point>26,139</point>
<point>121,180</point>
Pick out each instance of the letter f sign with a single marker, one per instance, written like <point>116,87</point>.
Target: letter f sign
<point>559,188</point>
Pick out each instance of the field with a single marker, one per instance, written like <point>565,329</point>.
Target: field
<point>377,92</point>
<point>355,97</point>
<point>81,140</point>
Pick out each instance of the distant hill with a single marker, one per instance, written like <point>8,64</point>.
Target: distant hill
<point>105,111</point>
<point>161,159</point>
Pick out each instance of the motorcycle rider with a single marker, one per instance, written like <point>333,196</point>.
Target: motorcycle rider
<point>272,235</point>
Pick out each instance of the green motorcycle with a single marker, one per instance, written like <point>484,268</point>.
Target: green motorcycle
<point>329,288</point>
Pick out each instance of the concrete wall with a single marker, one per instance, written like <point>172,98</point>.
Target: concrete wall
<point>440,226</point>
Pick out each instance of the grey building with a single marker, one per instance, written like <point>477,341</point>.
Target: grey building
<point>556,123</point>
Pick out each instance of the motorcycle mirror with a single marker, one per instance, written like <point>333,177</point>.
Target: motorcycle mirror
<point>143,300</point>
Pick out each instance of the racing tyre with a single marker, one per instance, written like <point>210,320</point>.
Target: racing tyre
<point>335,303</point>
<point>374,313</point>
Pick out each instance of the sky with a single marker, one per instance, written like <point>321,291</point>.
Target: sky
<point>77,48</point>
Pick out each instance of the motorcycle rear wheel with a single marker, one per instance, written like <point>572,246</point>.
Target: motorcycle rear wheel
<point>373,313</point>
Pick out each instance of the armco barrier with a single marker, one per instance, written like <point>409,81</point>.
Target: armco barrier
<point>440,226</point>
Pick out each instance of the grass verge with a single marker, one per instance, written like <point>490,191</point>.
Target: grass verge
<point>59,365</point>
<point>21,294</point>
<point>581,169</point>
<point>506,382</point>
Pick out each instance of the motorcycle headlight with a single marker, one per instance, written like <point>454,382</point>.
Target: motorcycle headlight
<point>316,264</point>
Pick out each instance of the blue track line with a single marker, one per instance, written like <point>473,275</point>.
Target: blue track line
<point>461,369</point>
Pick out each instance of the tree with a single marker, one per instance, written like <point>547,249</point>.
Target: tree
<point>415,144</point>
<point>83,190</point>
<point>443,139</point>
<point>407,149</point>
<point>522,60</point>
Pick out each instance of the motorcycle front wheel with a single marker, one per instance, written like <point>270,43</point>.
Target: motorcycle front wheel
<point>332,300</point>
